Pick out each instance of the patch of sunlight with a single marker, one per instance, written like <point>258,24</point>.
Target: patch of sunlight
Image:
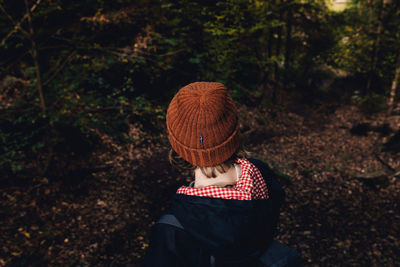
<point>337,5</point>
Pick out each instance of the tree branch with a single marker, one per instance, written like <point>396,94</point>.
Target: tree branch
<point>17,26</point>
<point>12,20</point>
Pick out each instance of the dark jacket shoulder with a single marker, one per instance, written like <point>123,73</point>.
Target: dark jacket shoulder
<point>232,232</point>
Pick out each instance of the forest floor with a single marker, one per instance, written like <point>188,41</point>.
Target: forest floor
<point>330,217</point>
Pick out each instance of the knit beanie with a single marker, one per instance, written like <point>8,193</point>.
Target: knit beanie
<point>203,124</point>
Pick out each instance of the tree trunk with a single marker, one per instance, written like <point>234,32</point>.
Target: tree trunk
<point>278,43</point>
<point>394,87</point>
<point>271,41</point>
<point>288,47</point>
<point>39,87</point>
<point>375,47</point>
<point>35,57</point>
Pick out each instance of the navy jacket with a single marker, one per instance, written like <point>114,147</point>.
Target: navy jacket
<point>217,232</point>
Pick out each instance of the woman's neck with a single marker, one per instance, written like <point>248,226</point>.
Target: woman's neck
<point>227,179</point>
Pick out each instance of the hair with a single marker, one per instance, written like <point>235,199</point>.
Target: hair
<point>209,172</point>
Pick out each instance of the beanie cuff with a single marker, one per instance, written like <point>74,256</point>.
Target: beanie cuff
<point>207,157</point>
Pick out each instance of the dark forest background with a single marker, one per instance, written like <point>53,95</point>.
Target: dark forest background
<point>84,86</point>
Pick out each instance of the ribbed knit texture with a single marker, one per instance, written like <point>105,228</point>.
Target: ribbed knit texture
<point>203,124</point>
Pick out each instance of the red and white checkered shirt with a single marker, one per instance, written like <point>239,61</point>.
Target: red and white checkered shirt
<point>250,185</point>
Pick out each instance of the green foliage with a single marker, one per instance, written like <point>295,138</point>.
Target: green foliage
<point>19,139</point>
<point>104,65</point>
<point>368,40</point>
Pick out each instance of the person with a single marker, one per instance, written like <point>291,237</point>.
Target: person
<point>228,215</point>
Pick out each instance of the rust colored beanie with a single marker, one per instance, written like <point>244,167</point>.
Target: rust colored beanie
<point>203,124</point>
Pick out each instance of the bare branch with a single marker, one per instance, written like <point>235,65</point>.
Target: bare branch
<point>7,15</point>
<point>11,19</point>
<point>17,26</point>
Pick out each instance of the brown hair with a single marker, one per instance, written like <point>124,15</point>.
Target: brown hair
<point>209,172</point>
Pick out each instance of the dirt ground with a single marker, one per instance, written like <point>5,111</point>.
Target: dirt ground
<point>330,216</point>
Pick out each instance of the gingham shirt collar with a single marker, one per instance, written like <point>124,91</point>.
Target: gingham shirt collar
<point>250,185</point>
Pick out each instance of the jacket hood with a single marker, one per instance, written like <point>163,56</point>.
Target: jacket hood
<point>229,229</point>
<point>204,231</point>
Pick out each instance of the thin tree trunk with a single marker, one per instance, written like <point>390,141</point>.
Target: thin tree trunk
<point>375,47</point>
<point>288,47</point>
<point>39,87</point>
<point>35,57</point>
<point>278,43</point>
<point>271,39</point>
<point>271,74</point>
<point>394,87</point>
<point>278,51</point>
